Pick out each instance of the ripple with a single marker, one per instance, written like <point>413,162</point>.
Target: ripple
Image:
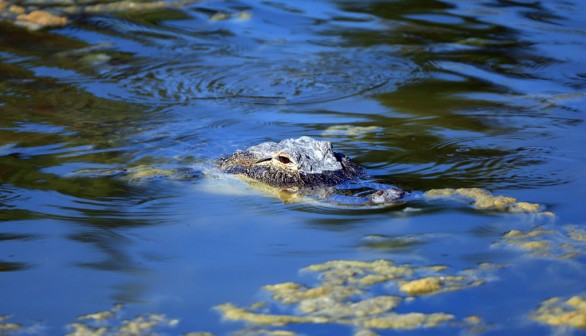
<point>515,83</point>
<point>18,236</point>
<point>8,196</point>
<point>29,127</point>
<point>469,161</point>
<point>261,81</point>
<point>178,61</point>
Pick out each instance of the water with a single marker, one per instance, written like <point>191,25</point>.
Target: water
<point>451,94</point>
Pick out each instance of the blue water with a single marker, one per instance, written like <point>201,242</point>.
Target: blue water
<point>486,94</point>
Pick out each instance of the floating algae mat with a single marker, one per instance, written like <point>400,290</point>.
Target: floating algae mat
<point>484,200</point>
<point>8,327</point>
<point>563,242</point>
<point>344,295</point>
<point>559,312</point>
<point>36,15</point>
<point>103,323</point>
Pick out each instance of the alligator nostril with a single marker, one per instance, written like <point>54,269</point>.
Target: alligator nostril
<point>283,159</point>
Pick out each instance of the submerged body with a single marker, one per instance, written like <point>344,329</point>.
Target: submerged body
<point>303,165</point>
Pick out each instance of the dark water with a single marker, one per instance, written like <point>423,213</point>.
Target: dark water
<point>487,94</point>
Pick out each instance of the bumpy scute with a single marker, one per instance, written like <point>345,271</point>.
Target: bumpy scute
<point>292,164</point>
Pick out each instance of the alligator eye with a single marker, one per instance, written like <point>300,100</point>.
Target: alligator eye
<point>283,159</point>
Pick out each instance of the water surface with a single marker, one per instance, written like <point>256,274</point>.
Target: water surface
<point>452,94</point>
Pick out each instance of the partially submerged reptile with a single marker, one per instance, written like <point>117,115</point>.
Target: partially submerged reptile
<point>308,168</point>
<point>303,166</point>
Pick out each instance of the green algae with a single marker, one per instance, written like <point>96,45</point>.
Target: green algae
<point>361,273</point>
<point>340,296</point>
<point>365,332</point>
<point>430,285</point>
<point>421,286</point>
<point>576,235</point>
<point>474,325</point>
<point>103,323</point>
<point>558,312</point>
<point>137,174</point>
<point>408,321</point>
<point>260,331</point>
<point>289,292</point>
<point>222,16</point>
<point>535,245</point>
<point>7,328</point>
<point>235,313</point>
<point>140,173</point>
<point>102,315</point>
<point>558,242</point>
<point>364,274</point>
<point>386,321</point>
<point>377,241</point>
<point>484,200</point>
<point>343,295</point>
<point>350,130</point>
<point>109,323</point>
<point>35,15</point>
<point>370,306</point>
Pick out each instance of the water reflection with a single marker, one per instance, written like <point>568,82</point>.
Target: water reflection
<point>447,93</point>
<point>392,243</point>
<point>268,72</point>
<point>114,247</point>
<point>6,266</point>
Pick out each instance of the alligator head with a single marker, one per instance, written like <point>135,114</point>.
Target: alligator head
<point>292,164</point>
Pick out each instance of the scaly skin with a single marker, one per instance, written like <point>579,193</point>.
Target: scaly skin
<point>292,163</point>
<point>304,164</point>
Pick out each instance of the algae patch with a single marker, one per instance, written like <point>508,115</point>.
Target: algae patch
<point>104,323</point>
<point>343,295</point>
<point>7,327</point>
<point>108,322</point>
<point>39,18</point>
<point>485,200</point>
<point>351,130</point>
<point>408,321</point>
<point>558,242</point>
<point>232,312</point>
<point>35,15</point>
<point>138,174</point>
<point>222,16</point>
<point>557,312</point>
<point>421,286</point>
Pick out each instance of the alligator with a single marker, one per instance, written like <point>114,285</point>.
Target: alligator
<point>307,168</point>
<point>304,166</point>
